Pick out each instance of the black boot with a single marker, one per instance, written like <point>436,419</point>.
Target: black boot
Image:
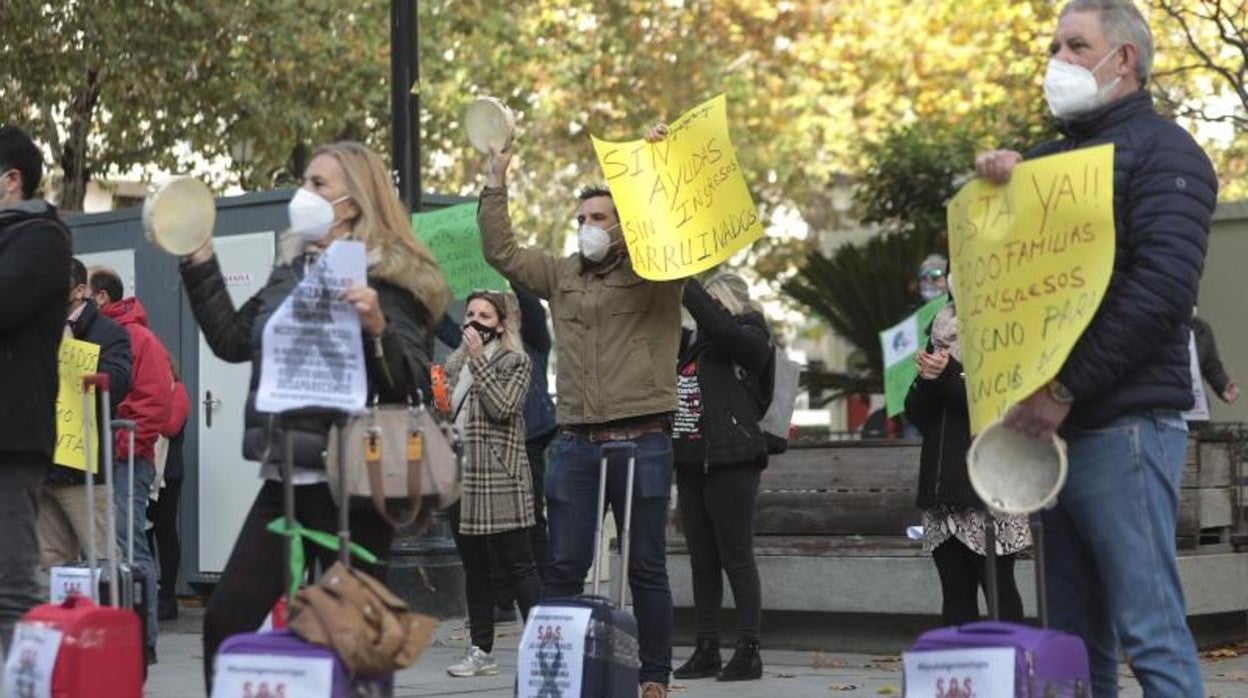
<point>704,663</point>
<point>745,665</point>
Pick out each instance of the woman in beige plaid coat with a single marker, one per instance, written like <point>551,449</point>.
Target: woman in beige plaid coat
<point>489,378</point>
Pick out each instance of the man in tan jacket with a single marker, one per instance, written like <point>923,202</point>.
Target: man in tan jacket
<point>616,338</point>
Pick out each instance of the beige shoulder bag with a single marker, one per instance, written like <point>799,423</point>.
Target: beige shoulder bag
<point>396,457</point>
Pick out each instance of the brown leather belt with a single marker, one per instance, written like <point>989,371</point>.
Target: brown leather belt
<point>627,432</point>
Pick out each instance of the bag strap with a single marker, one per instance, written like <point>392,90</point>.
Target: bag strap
<point>376,489</point>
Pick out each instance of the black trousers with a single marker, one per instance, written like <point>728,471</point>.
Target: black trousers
<point>163,537</point>
<point>717,512</point>
<point>963,573</point>
<point>538,533</point>
<point>511,554</point>
<point>253,580</point>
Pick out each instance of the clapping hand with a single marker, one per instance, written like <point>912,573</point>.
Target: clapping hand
<point>931,365</point>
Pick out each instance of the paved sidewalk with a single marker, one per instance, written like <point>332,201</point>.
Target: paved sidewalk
<point>786,675</point>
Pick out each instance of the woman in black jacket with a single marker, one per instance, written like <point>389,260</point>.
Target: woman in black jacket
<point>346,194</point>
<point>719,452</point>
<point>953,515</point>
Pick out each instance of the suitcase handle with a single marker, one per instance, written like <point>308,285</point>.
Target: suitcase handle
<point>985,628</point>
<point>625,537</point>
<point>100,380</point>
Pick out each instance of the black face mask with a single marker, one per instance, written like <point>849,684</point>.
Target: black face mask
<point>487,333</point>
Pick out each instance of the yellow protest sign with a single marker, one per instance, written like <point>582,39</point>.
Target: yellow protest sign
<point>683,202</point>
<point>1031,261</point>
<point>77,359</point>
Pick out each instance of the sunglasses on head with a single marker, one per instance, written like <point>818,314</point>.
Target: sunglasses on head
<point>931,274</point>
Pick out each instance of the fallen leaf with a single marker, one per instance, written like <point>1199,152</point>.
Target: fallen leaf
<point>823,661</point>
<point>888,691</point>
<point>786,676</point>
<point>1224,653</point>
<point>843,687</point>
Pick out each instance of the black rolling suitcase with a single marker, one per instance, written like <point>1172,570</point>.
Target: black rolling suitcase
<point>609,661</point>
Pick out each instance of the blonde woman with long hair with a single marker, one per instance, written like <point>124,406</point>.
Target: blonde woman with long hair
<point>346,195</point>
<point>489,380</point>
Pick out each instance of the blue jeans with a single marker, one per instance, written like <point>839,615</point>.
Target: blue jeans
<point>144,474</point>
<point>1112,574</point>
<point>571,498</point>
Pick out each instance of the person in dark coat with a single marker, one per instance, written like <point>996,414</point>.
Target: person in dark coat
<point>163,512</point>
<point>1211,368</point>
<point>35,250</point>
<point>953,515</point>
<point>62,500</point>
<point>1112,574</point>
<point>723,386</point>
<point>347,194</point>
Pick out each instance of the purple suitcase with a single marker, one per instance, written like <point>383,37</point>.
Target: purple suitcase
<point>1047,663</point>
<point>283,643</point>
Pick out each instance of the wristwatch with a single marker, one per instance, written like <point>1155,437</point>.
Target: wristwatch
<point>1060,393</point>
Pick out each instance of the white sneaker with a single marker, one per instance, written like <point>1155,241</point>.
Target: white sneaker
<point>476,663</point>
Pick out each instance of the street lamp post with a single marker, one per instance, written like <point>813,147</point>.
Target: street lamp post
<point>405,100</point>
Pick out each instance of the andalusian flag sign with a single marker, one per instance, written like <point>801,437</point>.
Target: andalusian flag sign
<point>901,342</point>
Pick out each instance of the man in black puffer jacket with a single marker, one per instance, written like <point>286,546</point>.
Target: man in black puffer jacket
<point>34,274</point>
<point>1112,574</point>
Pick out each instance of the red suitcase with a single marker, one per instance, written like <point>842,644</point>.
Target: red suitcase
<point>101,647</point>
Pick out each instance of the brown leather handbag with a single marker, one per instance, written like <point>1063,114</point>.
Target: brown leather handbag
<point>368,627</point>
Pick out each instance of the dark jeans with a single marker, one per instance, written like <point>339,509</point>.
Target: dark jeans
<point>125,495</point>
<point>510,553</point>
<point>571,499</point>
<point>963,572</point>
<point>253,580</point>
<point>717,512</point>
<point>21,476</point>
<point>163,536</point>
<point>537,534</point>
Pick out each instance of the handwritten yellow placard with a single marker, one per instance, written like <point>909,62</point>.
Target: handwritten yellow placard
<point>1031,261</point>
<point>683,202</point>
<point>77,359</point>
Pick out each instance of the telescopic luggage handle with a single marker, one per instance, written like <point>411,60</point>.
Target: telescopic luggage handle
<point>625,538</point>
<point>100,381</point>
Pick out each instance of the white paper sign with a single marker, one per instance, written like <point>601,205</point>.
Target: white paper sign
<point>313,350</point>
<point>552,653</point>
<point>968,673</point>
<point>72,580</point>
<point>32,657</point>
<point>1200,409</point>
<point>272,676</point>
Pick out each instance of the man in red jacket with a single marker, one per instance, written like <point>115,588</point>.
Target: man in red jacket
<point>147,404</point>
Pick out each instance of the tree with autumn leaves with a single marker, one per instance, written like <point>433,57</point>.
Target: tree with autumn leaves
<point>239,91</point>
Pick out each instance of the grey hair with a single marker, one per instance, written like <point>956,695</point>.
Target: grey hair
<point>731,290</point>
<point>1123,24</point>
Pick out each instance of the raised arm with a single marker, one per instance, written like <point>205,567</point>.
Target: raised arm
<point>749,346</point>
<point>534,333</point>
<point>533,269</point>
<point>228,331</point>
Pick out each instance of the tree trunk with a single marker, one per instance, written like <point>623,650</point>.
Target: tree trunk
<point>73,157</point>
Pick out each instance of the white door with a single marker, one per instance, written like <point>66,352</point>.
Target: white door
<point>227,483</point>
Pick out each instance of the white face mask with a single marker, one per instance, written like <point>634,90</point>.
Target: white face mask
<point>1072,90</point>
<point>594,242</point>
<point>311,215</point>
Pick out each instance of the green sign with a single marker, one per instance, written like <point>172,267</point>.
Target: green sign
<point>451,234</point>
